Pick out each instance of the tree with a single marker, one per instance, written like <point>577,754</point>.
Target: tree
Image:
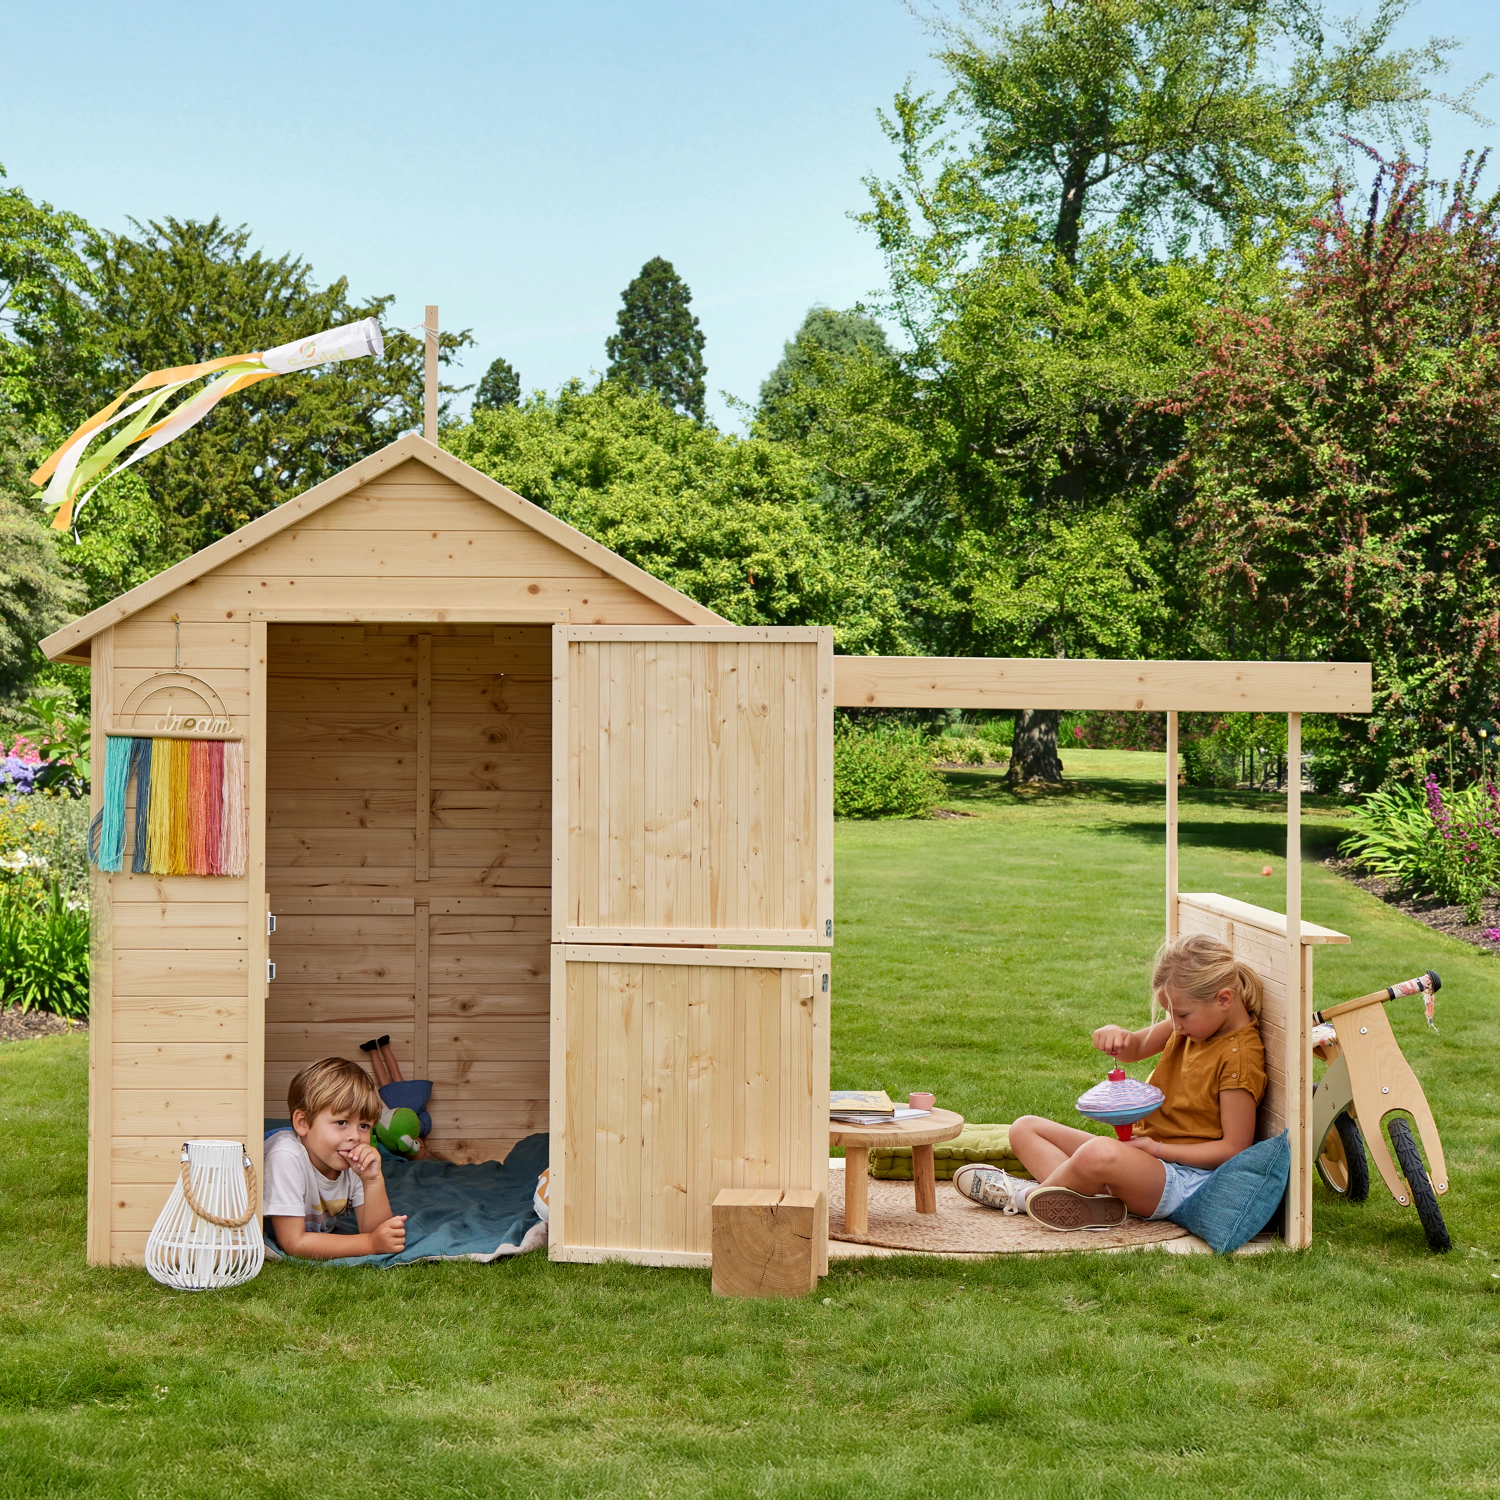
<point>46,345</point>
<point>734,523</point>
<point>36,597</point>
<point>815,352</point>
<point>1104,175</point>
<point>1172,115</point>
<point>182,291</point>
<point>659,346</point>
<point>501,386</point>
<point>1341,481</point>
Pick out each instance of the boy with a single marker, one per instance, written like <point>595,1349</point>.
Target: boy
<point>329,1166</point>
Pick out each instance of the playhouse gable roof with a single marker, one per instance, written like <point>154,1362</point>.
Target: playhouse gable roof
<point>71,642</point>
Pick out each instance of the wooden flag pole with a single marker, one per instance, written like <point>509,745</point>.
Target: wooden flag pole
<point>430,376</point>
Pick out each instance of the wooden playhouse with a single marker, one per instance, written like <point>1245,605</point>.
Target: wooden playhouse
<point>506,796</point>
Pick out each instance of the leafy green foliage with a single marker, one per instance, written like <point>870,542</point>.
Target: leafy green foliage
<point>733,523</point>
<point>36,596</point>
<point>61,735</point>
<point>122,542</point>
<point>817,352</point>
<point>501,386</point>
<point>1176,118</point>
<point>883,771</point>
<point>1342,476</point>
<point>46,334</point>
<point>44,953</point>
<point>1447,847</point>
<point>658,345</point>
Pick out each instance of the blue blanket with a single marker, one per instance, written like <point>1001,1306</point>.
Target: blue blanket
<point>469,1212</point>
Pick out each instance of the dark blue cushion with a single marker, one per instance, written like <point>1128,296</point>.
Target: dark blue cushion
<point>1240,1198</point>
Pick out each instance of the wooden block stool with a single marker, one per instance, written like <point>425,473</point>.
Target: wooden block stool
<point>766,1241</point>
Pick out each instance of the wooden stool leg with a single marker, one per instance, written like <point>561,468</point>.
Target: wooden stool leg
<point>924,1178</point>
<point>857,1189</point>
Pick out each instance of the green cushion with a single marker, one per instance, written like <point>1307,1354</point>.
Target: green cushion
<point>981,1143</point>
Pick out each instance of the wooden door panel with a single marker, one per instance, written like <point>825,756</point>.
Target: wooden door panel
<point>693,785</point>
<point>675,1073</point>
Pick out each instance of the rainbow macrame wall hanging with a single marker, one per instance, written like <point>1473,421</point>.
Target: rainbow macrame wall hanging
<point>189,806</point>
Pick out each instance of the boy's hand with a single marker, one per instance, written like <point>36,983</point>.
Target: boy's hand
<point>1112,1039</point>
<point>389,1238</point>
<point>365,1160</point>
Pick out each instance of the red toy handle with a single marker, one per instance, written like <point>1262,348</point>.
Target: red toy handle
<point>1117,1075</point>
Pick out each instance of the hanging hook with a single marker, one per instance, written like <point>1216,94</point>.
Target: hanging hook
<point>177,642</point>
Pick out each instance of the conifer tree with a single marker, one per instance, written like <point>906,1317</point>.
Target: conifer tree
<point>659,345</point>
<point>501,386</point>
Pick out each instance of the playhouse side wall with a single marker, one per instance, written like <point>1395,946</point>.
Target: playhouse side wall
<point>178,1050</point>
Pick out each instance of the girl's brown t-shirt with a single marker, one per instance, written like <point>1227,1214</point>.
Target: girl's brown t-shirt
<point>1193,1074</point>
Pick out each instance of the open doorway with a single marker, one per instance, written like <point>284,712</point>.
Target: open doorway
<point>408,811</point>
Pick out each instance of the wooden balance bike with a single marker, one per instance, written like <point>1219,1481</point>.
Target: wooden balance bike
<point>1367,1079</point>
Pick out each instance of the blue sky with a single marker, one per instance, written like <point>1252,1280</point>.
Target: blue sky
<point>514,162</point>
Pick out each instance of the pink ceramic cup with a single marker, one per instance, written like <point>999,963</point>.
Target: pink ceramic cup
<point>921,1101</point>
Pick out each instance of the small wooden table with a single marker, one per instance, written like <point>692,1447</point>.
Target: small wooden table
<point>921,1133</point>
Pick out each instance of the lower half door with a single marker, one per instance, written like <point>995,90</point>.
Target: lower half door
<point>677,1072</point>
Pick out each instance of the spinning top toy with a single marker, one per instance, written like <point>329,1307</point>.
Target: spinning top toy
<point>1120,1101</point>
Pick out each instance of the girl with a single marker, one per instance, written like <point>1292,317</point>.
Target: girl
<point>1213,1073</point>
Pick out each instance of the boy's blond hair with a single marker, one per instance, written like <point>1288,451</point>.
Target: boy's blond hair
<point>334,1084</point>
<point>1197,966</point>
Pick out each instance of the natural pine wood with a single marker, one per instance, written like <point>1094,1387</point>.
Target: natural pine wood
<point>698,781</point>
<point>675,1073</point>
<point>1134,686</point>
<point>765,1242</point>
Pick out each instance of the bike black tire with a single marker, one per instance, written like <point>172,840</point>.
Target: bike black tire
<point>1423,1198</point>
<point>1354,1154</point>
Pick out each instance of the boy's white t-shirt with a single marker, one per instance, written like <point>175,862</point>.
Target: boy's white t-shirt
<point>294,1186</point>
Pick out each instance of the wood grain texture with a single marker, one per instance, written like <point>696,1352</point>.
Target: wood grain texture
<point>675,1074</point>
<point>696,767</point>
<point>1134,686</point>
<point>765,1242</point>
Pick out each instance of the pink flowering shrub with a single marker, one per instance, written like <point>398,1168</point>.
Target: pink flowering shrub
<point>1461,857</point>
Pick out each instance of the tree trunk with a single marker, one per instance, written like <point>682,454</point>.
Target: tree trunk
<point>1033,756</point>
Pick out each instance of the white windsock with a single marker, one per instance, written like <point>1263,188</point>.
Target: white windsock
<point>352,341</point>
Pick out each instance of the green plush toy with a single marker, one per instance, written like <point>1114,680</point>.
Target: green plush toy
<point>399,1131</point>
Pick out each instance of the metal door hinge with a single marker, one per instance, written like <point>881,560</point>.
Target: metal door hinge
<point>828,928</point>
<point>270,971</point>
<point>270,922</point>
<point>825,984</point>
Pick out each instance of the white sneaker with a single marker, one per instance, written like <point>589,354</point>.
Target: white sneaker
<point>992,1187</point>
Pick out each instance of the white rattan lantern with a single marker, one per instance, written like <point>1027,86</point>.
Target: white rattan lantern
<point>208,1235</point>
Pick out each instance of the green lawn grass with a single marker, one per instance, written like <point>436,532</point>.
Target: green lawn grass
<point>973,957</point>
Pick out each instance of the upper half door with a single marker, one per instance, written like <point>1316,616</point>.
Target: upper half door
<point>692,784</point>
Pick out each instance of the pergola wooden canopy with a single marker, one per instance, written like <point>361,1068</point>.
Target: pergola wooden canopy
<point>500,783</point>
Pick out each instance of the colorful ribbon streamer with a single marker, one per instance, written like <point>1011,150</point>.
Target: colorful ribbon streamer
<point>67,470</point>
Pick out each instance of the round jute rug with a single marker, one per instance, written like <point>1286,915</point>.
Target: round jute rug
<point>960,1225</point>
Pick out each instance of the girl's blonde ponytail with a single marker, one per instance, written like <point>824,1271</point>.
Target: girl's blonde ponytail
<point>1197,967</point>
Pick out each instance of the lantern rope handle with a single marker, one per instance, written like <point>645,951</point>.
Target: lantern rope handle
<point>203,1213</point>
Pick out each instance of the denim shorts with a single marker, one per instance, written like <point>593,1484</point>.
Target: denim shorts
<point>1182,1182</point>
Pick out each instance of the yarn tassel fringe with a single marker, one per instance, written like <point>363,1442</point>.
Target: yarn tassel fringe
<point>189,807</point>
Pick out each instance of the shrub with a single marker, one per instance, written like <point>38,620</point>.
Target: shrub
<point>883,772</point>
<point>44,951</point>
<point>965,750</point>
<point>1449,849</point>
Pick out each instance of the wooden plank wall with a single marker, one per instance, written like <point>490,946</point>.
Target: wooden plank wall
<point>693,788</point>
<point>676,1075</point>
<point>409,864</point>
<point>178,964</point>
